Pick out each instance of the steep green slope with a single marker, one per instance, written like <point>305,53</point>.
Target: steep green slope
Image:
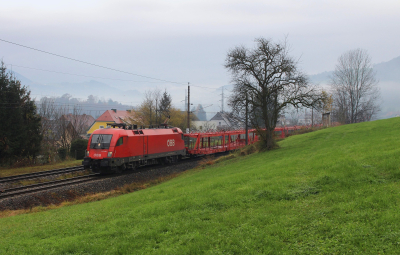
<point>333,191</point>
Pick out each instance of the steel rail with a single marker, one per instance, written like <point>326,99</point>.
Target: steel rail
<point>5,193</point>
<point>40,174</point>
<point>45,185</point>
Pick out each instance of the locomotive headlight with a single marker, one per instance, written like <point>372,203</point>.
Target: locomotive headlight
<point>109,154</point>
<point>87,153</point>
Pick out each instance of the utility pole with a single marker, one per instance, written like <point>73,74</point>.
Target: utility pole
<point>312,117</point>
<point>156,112</point>
<point>188,117</point>
<point>305,116</point>
<point>188,111</point>
<point>222,100</point>
<point>247,127</point>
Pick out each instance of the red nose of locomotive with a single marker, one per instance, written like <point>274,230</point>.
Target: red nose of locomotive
<point>99,148</point>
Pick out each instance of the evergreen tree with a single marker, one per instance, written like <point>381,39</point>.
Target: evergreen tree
<point>20,129</point>
<point>165,104</point>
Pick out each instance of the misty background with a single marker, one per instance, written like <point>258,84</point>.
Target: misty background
<point>165,45</point>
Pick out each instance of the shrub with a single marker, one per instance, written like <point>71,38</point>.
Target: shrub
<point>62,153</point>
<point>224,158</point>
<point>78,148</point>
<point>249,149</point>
<point>207,161</point>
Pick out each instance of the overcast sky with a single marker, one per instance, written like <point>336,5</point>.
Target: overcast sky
<point>186,41</point>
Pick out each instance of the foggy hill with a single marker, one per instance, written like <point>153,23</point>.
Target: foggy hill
<point>385,72</point>
<point>80,90</point>
<point>388,71</point>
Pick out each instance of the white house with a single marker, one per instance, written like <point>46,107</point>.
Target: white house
<point>221,120</point>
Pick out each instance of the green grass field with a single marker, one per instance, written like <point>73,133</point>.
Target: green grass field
<point>5,171</point>
<point>333,191</point>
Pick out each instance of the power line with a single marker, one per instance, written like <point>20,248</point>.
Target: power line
<point>88,63</point>
<point>204,87</point>
<point>210,87</point>
<point>50,71</point>
<point>96,65</point>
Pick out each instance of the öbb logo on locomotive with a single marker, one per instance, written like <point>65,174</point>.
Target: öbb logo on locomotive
<point>170,142</point>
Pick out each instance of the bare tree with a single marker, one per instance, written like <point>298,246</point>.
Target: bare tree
<point>57,130</point>
<point>147,114</point>
<point>47,111</point>
<point>63,127</point>
<point>78,122</point>
<point>267,80</point>
<point>355,90</point>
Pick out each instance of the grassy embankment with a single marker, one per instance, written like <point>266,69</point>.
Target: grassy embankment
<point>37,168</point>
<point>333,191</point>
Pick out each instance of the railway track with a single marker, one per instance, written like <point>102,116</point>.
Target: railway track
<point>43,194</point>
<point>46,185</point>
<point>40,174</point>
<point>27,189</point>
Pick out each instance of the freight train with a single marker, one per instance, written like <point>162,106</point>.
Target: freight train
<point>120,147</point>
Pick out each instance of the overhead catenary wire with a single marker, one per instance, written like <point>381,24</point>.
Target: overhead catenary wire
<point>105,78</point>
<point>96,65</point>
<point>88,76</point>
<point>88,63</point>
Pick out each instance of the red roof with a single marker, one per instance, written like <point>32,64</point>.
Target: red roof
<point>114,116</point>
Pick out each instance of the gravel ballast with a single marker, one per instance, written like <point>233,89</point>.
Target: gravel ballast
<point>103,184</point>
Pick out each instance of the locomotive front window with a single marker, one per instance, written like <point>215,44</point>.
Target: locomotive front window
<point>100,141</point>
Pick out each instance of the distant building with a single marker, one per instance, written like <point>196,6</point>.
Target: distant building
<point>203,126</point>
<point>220,121</point>
<point>110,116</point>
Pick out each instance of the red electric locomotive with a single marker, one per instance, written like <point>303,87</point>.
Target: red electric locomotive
<point>115,149</point>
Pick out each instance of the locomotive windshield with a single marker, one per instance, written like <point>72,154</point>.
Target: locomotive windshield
<point>100,141</point>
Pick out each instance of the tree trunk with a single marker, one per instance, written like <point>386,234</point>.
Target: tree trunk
<point>269,135</point>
